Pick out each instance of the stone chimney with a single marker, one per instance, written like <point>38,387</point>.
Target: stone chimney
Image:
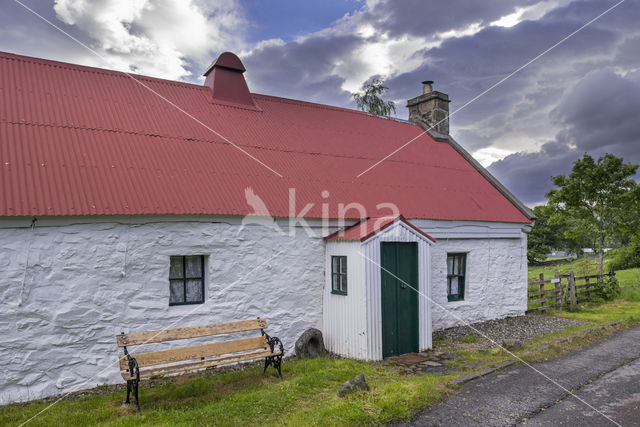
<point>431,110</point>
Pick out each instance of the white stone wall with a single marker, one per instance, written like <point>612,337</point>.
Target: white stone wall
<point>496,280</point>
<point>85,283</point>
<point>88,281</point>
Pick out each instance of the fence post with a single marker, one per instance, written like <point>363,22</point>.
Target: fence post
<point>542,291</point>
<point>558,292</point>
<point>571,288</point>
<point>587,288</point>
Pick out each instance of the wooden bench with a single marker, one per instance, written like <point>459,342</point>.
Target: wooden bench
<point>184,359</point>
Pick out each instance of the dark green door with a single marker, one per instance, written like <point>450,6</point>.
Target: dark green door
<point>399,300</point>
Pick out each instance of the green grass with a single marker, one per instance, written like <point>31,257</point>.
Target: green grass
<point>306,396</point>
<point>468,339</point>
<point>629,284</point>
<point>580,266</point>
<point>629,279</point>
<point>625,309</point>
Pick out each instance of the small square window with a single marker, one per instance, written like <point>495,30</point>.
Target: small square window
<point>186,280</point>
<point>456,270</point>
<point>339,275</point>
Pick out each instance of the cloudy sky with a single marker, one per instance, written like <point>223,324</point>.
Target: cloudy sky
<point>581,96</point>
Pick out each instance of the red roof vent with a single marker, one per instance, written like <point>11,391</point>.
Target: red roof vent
<point>224,77</point>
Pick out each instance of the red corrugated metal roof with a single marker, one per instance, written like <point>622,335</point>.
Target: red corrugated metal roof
<point>77,140</point>
<point>368,228</point>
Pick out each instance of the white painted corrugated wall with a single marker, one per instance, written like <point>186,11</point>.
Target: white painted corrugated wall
<point>352,324</point>
<point>344,317</point>
<point>371,249</point>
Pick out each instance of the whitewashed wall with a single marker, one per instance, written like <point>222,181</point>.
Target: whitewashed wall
<point>496,280</point>
<point>85,283</point>
<point>345,316</point>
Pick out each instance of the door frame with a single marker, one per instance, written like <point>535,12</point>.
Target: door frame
<point>400,231</point>
<point>405,304</point>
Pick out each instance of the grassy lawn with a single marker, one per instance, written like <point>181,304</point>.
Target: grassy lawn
<point>625,309</point>
<point>307,395</point>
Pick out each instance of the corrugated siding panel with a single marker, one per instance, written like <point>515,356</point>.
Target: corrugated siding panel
<point>85,141</point>
<point>344,321</point>
<point>396,233</point>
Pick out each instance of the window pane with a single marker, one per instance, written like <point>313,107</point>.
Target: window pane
<point>175,271</point>
<point>335,282</point>
<point>194,290</point>
<point>449,265</point>
<point>343,264</point>
<point>335,264</point>
<point>194,266</point>
<point>453,286</point>
<point>344,283</point>
<point>176,291</point>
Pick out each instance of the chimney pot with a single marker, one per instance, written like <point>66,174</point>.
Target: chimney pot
<point>431,111</point>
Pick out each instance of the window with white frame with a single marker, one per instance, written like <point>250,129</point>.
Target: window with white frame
<point>186,280</point>
<point>339,275</point>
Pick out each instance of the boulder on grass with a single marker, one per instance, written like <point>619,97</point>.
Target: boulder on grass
<point>310,344</point>
<point>356,384</point>
<point>511,344</point>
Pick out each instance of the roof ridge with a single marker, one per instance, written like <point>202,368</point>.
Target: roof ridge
<point>318,105</point>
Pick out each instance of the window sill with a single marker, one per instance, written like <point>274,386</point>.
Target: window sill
<point>177,304</point>
<point>338,293</point>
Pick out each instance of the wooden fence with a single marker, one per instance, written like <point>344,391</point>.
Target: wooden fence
<point>564,291</point>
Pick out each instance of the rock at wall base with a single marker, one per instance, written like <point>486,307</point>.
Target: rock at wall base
<point>310,344</point>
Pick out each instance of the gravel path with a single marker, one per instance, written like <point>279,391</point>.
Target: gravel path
<point>521,328</point>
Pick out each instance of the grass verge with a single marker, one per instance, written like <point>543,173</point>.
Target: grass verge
<point>306,396</point>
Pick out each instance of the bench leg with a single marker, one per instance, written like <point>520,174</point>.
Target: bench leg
<point>276,361</point>
<point>132,389</point>
<point>135,394</point>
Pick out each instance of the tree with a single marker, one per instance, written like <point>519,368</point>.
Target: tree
<point>369,99</point>
<point>544,236</point>
<point>599,198</point>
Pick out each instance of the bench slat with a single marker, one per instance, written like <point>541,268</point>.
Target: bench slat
<point>148,337</point>
<point>191,366</point>
<point>195,352</point>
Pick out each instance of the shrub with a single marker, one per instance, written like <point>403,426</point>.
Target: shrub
<point>608,289</point>
<point>627,256</point>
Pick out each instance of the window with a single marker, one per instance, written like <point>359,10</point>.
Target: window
<point>339,275</point>
<point>186,280</point>
<point>456,267</point>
